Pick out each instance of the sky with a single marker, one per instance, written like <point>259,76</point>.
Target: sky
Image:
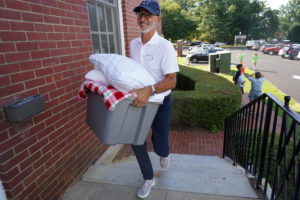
<point>275,4</point>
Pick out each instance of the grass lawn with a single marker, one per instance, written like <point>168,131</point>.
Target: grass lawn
<point>267,87</point>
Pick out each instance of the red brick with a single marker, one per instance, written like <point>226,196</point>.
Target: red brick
<point>14,161</point>
<point>14,57</point>
<point>66,59</point>
<point>6,156</point>
<point>12,89</point>
<point>32,17</point>
<point>70,36</point>
<point>4,25</point>
<point>9,14</point>
<point>36,36</point>
<point>50,61</point>
<point>51,19</point>
<point>77,43</point>
<point>40,9</point>
<point>7,47</point>
<point>49,3</point>
<point>28,161</point>
<point>22,76</point>
<point>67,21</point>
<point>56,93</point>
<point>29,180</point>
<point>44,71</point>
<point>12,36</point>
<point>46,88</point>
<point>60,68</point>
<point>27,46</point>
<point>64,44</point>
<point>58,52</point>
<point>38,145</point>
<point>22,26</point>
<point>10,68</point>
<point>55,36</point>
<point>42,161</point>
<point>48,147</point>
<point>15,191</point>
<point>57,12</point>
<point>70,51</point>
<point>40,54</point>
<point>61,28</point>
<point>34,83</point>
<point>47,45</point>
<point>19,178</point>
<point>43,27</point>
<point>2,59</point>
<point>30,65</point>
<point>83,36</point>
<point>53,119</point>
<point>45,132</point>
<point>74,29</point>
<point>17,5</point>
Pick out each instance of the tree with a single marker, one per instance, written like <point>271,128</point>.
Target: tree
<point>294,33</point>
<point>175,22</point>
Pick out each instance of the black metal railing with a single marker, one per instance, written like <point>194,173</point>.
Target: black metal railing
<point>263,138</point>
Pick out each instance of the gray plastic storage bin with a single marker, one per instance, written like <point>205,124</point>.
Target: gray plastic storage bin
<point>127,124</point>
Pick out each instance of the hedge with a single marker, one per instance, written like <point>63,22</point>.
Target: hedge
<point>202,100</point>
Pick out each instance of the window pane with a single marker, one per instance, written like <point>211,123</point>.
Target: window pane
<point>111,1</point>
<point>104,43</point>
<point>112,44</point>
<point>109,19</point>
<point>92,16</point>
<point>96,44</point>
<point>102,17</point>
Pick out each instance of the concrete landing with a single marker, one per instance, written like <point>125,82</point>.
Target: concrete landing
<point>187,177</point>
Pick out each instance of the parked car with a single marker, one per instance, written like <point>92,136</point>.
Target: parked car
<point>217,44</point>
<point>256,46</point>
<point>262,48</point>
<point>201,55</point>
<point>283,50</point>
<point>298,57</point>
<point>292,53</point>
<point>273,49</point>
<point>195,43</point>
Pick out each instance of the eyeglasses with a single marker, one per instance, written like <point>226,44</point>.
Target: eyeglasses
<point>146,15</point>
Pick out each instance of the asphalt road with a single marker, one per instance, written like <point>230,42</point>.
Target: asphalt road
<point>283,73</point>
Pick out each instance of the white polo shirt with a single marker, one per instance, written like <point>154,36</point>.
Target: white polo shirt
<point>157,56</point>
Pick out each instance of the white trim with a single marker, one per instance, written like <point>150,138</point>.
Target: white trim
<point>2,193</point>
<point>121,28</point>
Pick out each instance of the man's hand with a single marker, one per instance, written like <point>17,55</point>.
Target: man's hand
<point>143,95</point>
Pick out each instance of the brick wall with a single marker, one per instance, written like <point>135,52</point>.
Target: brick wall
<point>44,49</point>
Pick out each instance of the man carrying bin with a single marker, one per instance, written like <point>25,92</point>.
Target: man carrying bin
<point>158,56</point>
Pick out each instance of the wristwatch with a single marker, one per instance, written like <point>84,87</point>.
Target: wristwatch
<point>153,89</point>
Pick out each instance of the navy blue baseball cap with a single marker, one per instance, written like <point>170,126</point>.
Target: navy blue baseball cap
<point>150,5</point>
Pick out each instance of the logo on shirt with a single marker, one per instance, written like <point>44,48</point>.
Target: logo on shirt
<point>148,57</point>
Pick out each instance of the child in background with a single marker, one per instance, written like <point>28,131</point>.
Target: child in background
<point>254,60</point>
<point>239,77</point>
<point>241,57</point>
<point>256,85</point>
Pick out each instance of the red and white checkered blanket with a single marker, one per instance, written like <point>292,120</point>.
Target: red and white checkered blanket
<point>111,96</point>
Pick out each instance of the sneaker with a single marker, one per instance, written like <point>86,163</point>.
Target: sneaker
<point>164,161</point>
<point>144,189</point>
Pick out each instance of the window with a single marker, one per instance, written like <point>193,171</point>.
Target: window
<point>105,26</point>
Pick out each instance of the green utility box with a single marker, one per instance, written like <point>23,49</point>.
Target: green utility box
<point>219,62</point>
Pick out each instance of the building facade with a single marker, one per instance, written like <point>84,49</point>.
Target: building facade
<point>44,50</point>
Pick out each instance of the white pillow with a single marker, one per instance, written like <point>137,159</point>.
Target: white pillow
<point>121,72</point>
<point>96,75</point>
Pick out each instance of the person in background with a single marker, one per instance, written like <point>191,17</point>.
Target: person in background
<point>256,86</point>
<point>158,56</point>
<point>239,77</point>
<point>254,60</point>
<point>241,58</point>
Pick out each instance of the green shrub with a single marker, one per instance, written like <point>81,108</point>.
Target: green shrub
<point>203,99</point>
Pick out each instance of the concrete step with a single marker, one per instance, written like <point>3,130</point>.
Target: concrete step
<point>84,190</point>
<point>206,175</point>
